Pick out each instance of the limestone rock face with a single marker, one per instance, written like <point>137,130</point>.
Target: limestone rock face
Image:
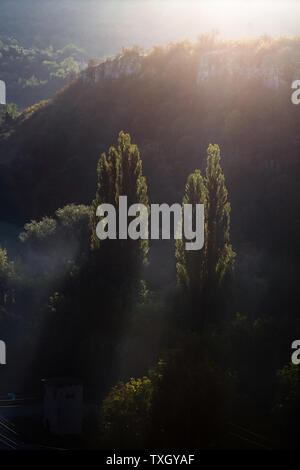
<point>273,69</point>
<point>224,63</point>
<point>121,66</point>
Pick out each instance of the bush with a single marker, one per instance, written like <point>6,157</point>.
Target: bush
<point>184,402</point>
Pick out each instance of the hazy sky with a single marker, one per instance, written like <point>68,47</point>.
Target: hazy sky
<point>104,26</point>
<point>233,18</point>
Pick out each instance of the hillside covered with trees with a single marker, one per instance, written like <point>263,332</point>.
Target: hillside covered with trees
<point>207,122</point>
<point>32,74</point>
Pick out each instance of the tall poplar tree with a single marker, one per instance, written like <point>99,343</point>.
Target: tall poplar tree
<point>202,272</point>
<point>219,253</point>
<point>191,265</point>
<point>120,174</point>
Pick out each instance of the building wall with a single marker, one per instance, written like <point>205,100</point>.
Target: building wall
<point>63,409</point>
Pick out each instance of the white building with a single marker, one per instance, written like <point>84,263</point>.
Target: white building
<point>63,406</point>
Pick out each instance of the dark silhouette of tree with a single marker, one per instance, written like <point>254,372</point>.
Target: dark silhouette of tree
<point>202,272</point>
<point>219,252</point>
<point>6,275</point>
<point>191,265</point>
<point>120,174</point>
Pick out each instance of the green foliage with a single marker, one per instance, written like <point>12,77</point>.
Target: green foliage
<point>120,173</point>
<point>191,266</point>
<point>203,271</point>
<point>54,244</point>
<point>6,276</point>
<point>184,401</point>
<point>32,74</point>
<point>8,112</point>
<point>126,413</point>
<point>218,249</point>
<point>286,411</point>
<point>74,221</point>
<point>171,108</point>
<point>193,403</point>
<point>289,379</point>
<point>49,159</point>
<point>37,233</point>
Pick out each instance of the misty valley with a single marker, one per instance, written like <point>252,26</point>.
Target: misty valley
<point>149,227</point>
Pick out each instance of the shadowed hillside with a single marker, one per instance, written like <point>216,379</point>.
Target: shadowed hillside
<point>208,122</point>
<point>174,100</point>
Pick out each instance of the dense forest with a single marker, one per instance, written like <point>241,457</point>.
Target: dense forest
<point>32,74</point>
<point>180,349</point>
